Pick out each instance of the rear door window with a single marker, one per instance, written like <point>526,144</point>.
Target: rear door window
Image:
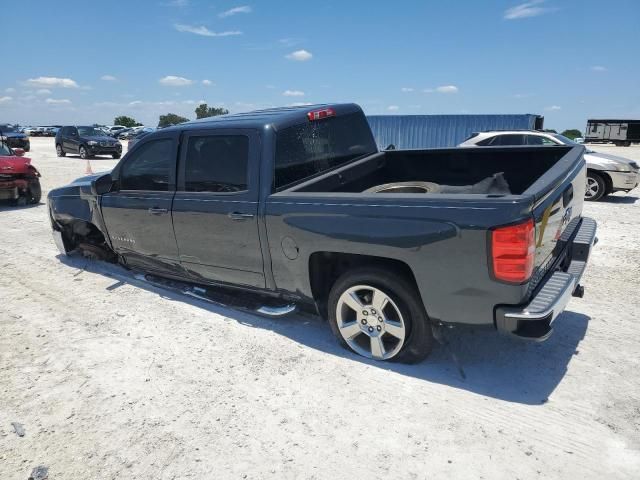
<point>509,140</point>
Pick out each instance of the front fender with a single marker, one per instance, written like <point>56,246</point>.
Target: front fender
<point>74,203</point>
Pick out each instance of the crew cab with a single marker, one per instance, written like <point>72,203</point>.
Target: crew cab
<point>299,204</point>
<point>19,180</point>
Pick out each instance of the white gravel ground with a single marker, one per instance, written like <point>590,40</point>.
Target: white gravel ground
<point>113,379</point>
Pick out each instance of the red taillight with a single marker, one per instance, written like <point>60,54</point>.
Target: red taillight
<point>513,251</point>
<point>319,114</point>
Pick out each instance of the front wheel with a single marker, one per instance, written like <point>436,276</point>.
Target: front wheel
<point>115,156</point>
<point>83,153</point>
<point>34,192</point>
<point>378,314</point>
<point>595,188</point>
<point>59,151</point>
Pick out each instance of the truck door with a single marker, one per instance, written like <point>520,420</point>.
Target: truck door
<point>215,210</point>
<point>138,213</point>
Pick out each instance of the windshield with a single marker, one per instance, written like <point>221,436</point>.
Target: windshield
<point>565,140</point>
<point>90,132</point>
<point>7,128</point>
<point>313,147</point>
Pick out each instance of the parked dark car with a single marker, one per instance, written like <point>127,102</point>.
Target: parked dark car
<point>299,204</point>
<point>86,142</point>
<point>13,138</point>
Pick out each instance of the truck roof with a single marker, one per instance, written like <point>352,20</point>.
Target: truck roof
<point>276,118</point>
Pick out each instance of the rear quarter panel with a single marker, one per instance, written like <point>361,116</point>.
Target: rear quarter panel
<point>442,240</point>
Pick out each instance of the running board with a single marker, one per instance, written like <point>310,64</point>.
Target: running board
<point>201,293</point>
<point>277,311</point>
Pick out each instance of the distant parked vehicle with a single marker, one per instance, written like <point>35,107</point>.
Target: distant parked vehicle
<point>86,142</point>
<point>13,138</point>
<point>115,129</point>
<point>620,132</point>
<point>140,135</point>
<point>605,173</point>
<point>122,134</point>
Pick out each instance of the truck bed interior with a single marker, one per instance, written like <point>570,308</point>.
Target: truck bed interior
<point>457,167</point>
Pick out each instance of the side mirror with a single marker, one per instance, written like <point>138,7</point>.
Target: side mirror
<point>19,152</point>
<point>102,185</point>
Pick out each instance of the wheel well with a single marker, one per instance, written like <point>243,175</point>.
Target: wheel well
<point>80,231</point>
<point>326,267</point>
<point>607,179</point>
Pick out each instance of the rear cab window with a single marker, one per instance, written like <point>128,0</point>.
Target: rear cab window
<point>313,147</point>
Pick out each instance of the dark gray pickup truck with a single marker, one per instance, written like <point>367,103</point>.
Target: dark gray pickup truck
<point>298,203</point>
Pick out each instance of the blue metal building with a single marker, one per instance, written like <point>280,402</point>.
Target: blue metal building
<point>439,131</point>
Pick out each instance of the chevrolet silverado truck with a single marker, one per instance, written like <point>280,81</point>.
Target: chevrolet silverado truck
<point>299,204</point>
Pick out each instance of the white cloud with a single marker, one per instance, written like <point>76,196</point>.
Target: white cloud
<point>43,91</point>
<point>406,89</point>
<point>293,93</point>
<point>204,31</point>
<point>173,81</point>
<point>135,102</point>
<point>553,108</point>
<point>235,11</point>
<point>393,108</point>
<point>10,90</point>
<point>52,82</point>
<point>447,89</point>
<point>270,87</point>
<point>526,10</point>
<point>177,3</point>
<point>599,68</point>
<point>57,101</point>
<point>521,95</point>
<point>299,56</point>
<point>108,78</point>
<point>208,83</point>
<point>5,99</point>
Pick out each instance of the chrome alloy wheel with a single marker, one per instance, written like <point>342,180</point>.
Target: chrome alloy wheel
<point>592,188</point>
<point>370,322</point>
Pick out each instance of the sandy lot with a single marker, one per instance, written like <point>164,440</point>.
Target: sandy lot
<point>112,378</point>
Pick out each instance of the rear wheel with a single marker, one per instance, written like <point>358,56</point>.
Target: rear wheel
<point>378,314</point>
<point>59,151</point>
<point>595,188</point>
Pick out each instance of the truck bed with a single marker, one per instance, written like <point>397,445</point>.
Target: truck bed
<point>521,168</point>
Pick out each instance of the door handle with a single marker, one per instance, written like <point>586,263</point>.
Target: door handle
<point>240,216</point>
<point>158,211</point>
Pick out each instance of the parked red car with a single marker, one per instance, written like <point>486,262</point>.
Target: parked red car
<point>19,180</point>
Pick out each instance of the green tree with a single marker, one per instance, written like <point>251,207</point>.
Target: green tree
<point>203,111</point>
<point>171,119</point>
<point>572,133</point>
<point>126,121</point>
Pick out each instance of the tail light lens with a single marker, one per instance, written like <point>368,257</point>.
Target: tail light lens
<point>513,251</point>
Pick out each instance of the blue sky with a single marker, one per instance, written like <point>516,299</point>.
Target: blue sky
<point>72,61</point>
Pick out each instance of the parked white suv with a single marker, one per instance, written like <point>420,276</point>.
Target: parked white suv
<point>605,173</point>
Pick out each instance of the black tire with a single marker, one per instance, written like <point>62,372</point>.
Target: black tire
<point>59,151</point>
<point>115,156</point>
<point>418,341</point>
<point>34,193</point>
<point>596,187</point>
<point>83,153</point>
